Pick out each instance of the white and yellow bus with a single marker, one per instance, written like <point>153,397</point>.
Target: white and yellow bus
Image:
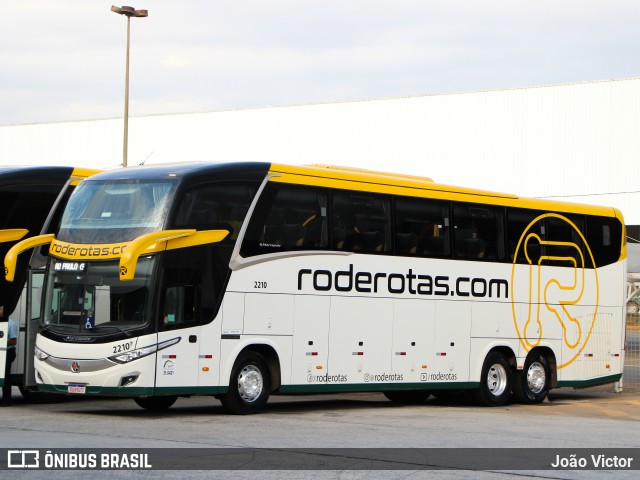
<point>32,199</point>
<point>242,280</point>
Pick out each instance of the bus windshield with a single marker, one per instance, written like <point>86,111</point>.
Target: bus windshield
<point>115,211</point>
<point>89,297</point>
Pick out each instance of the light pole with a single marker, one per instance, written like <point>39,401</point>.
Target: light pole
<point>128,12</point>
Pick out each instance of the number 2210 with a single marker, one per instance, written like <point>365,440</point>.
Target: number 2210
<point>123,347</point>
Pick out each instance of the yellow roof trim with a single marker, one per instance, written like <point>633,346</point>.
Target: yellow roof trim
<point>377,178</point>
<point>367,171</point>
<point>84,172</point>
<point>80,174</point>
<point>408,185</point>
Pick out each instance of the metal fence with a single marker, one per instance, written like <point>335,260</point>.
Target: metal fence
<point>631,375</point>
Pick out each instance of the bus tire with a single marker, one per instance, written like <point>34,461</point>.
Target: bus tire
<point>156,404</point>
<point>407,397</point>
<point>495,381</point>
<point>531,385</point>
<point>249,385</point>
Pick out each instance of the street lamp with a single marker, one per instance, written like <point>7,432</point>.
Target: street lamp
<point>128,12</point>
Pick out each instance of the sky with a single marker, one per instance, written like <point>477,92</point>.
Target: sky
<point>64,60</point>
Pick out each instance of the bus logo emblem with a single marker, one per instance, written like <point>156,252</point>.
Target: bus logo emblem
<point>123,271</point>
<point>75,367</point>
<point>555,298</point>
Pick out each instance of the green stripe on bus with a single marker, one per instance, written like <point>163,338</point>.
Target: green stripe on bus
<point>375,387</point>
<point>591,382</point>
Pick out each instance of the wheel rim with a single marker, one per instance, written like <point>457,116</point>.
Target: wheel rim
<point>497,379</point>
<point>250,383</point>
<point>536,378</point>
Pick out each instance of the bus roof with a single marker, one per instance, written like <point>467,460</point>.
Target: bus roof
<point>352,178</point>
<point>182,170</point>
<point>391,183</point>
<point>23,175</point>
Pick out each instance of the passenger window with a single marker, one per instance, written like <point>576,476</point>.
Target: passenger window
<point>360,222</point>
<point>517,222</point>
<point>566,247</point>
<point>604,236</point>
<point>215,206</point>
<point>287,217</point>
<point>478,232</point>
<point>422,227</point>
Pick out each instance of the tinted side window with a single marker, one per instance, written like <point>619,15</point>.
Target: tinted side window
<point>360,222</point>
<point>604,236</point>
<point>517,222</point>
<point>478,232</point>
<point>287,217</point>
<point>422,227</point>
<point>181,291</point>
<point>549,241</point>
<point>215,206</point>
<point>566,247</point>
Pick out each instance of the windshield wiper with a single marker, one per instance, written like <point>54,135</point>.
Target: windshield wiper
<point>113,326</point>
<point>49,326</point>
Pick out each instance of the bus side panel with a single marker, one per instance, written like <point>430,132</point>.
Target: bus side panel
<point>309,359</point>
<point>360,339</point>
<point>233,313</point>
<point>493,320</point>
<point>452,341</point>
<point>268,314</point>
<point>594,355</point>
<point>413,337</point>
<point>177,366</point>
<point>209,360</point>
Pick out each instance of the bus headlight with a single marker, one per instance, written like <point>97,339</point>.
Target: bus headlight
<point>40,354</point>
<point>127,357</point>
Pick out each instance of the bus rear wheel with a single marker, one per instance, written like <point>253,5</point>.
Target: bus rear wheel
<point>495,381</point>
<point>407,397</point>
<point>249,386</point>
<point>156,404</point>
<point>531,385</point>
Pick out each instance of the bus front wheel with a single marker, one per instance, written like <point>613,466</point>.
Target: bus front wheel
<point>531,385</point>
<point>495,381</point>
<point>249,386</point>
<point>156,404</point>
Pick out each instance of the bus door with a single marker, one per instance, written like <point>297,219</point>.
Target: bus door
<point>35,281</point>
<point>177,366</point>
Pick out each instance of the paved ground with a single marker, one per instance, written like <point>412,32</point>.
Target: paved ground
<point>590,418</point>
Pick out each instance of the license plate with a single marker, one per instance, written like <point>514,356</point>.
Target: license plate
<point>71,388</point>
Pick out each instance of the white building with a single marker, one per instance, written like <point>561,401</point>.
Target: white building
<point>578,142</point>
